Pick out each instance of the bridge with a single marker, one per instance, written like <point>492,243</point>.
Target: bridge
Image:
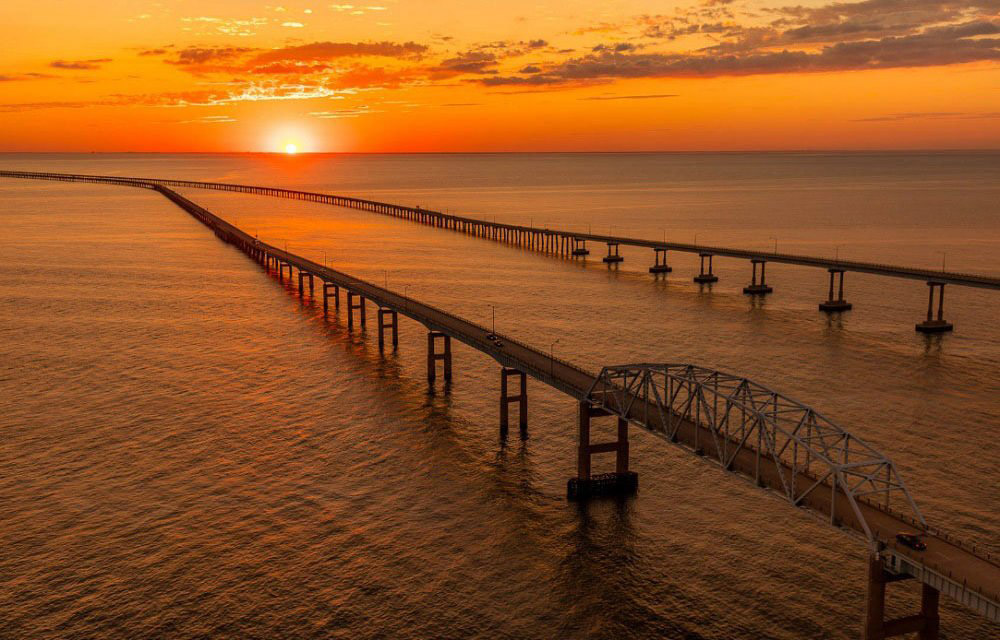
<point>573,244</point>
<point>747,429</point>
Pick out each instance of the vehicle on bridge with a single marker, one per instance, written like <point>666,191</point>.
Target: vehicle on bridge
<point>911,540</point>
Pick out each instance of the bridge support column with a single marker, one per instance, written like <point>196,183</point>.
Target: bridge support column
<point>932,325</point>
<point>613,257</point>
<point>660,261</point>
<point>326,296</point>
<point>433,356</point>
<point>586,484</point>
<point>706,277</point>
<point>383,325</point>
<point>926,624</point>
<point>303,275</point>
<point>352,306</point>
<point>580,247</point>
<point>753,288</point>
<point>832,304</point>
<point>521,398</point>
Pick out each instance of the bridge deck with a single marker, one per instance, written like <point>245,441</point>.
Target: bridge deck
<point>955,568</point>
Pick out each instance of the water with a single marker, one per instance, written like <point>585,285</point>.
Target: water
<point>190,451</point>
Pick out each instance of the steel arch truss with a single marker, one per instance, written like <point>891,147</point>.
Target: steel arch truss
<point>787,439</point>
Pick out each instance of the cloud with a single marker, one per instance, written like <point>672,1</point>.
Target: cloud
<point>15,107</point>
<point>202,55</point>
<point>636,97</point>
<point>153,52</point>
<point>469,62</point>
<point>230,27</point>
<point>937,45</point>
<point>17,77</point>
<point>932,115</point>
<point>209,120</point>
<point>621,47</point>
<point>319,51</point>
<point>342,113</point>
<point>530,69</point>
<point>79,65</point>
<point>541,80</point>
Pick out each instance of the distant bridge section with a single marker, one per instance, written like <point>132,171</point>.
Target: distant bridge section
<point>574,244</point>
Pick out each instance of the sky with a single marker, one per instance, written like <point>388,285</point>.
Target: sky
<point>481,76</point>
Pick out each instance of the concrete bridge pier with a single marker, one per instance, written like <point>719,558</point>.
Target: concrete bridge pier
<point>281,271</point>
<point>433,356</point>
<point>521,399</point>
<point>932,325</point>
<point>302,275</point>
<point>706,277</point>
<point>585,484</point>
<point>832,304</point>
<point>753,288</point>
<point>326,296</point>
<point>613,257</point>
<point>660,261</point>
<point>384,313</point>
<point>925,624</point>
<point>580,247</point>
<point>352,306</point>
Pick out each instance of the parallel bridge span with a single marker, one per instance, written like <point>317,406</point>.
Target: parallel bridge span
<point>570,243</point>
<point>748,429</point>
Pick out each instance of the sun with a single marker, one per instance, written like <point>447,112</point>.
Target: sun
<point>291,148</point>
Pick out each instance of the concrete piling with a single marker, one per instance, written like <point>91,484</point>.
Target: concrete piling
<point>613,257</point>
<point>755,289</point>
<point>703,276</point>
<point>326,296</point>
<point>926,624</point>
<point>433,356</point>
<point>833,305</point>
<point>660,261</point>
<point>935,325</point>
<point>521,399</point>
<point>355,302</point>
<point>585,484</point>
<point>393,324</point>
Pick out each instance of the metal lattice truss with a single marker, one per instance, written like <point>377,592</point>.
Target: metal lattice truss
<point>756,431</point>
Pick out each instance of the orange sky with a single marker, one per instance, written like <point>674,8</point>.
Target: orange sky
<point>447,75</point>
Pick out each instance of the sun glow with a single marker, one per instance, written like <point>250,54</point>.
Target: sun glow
<point>291,148</point>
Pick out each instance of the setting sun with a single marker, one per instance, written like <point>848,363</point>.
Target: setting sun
<point>291,147</point>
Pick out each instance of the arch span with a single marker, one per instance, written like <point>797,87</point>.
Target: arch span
<point>753,430</point>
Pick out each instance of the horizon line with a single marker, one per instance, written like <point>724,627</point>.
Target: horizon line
<point>552,151</point>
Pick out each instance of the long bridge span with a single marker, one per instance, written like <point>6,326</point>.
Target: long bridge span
<point>749,430</point>
<point>574,244</point>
